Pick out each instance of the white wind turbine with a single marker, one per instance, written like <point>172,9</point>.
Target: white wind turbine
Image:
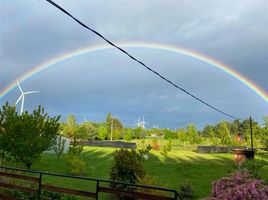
<point>141,123</point>
<point>22,96</point>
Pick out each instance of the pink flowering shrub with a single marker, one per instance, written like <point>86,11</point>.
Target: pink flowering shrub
<point>239,186</point>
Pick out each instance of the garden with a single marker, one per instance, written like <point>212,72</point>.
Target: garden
<point>163,158</point>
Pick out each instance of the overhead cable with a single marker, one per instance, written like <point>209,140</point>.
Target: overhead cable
<point>140,62</point>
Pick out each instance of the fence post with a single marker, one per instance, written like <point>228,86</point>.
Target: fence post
<point>39,186</point>
<point>97,190</point>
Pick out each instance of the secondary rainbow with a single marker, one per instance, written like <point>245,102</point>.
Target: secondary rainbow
<point>190,53</point>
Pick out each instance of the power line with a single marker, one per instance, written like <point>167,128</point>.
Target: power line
<point>140,62</point>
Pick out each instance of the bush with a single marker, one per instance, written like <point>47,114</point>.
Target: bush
<point>155,144</point>
<point>148,180</point>
<point>21,195</point>
<point>169,145</point>
<point>75,165</point>
<point>128,135</point>
<point>127,166</point>
<point>144,152</point>
<point>252,166</point>
<point>186,191</point>
<point>57,196</point>
<point>164,150</point>
<point>240,185</point>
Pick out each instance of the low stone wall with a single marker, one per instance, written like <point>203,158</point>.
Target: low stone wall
<point>119,144</point>
<point>217,149</point>
<point>213,149</point>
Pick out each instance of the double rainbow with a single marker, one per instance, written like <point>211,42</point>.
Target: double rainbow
<point>193,54</point>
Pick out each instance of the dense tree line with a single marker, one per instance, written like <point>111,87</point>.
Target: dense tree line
<point>223,133</point>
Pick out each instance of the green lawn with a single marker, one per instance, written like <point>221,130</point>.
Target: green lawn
<point>178,167</point>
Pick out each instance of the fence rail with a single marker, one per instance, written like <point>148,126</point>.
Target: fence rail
<point>38,186</point>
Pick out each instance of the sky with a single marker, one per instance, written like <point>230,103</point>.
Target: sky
<point>89,86</point>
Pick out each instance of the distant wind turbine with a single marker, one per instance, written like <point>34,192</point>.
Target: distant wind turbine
<point>22,96</point>
<point>141,123</point>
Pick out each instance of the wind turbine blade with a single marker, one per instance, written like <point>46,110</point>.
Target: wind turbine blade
<point>18,99</point>
<point>19,86</point>
<point>31,92</point>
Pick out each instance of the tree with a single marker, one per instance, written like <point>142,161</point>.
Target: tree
<point>102,133</point>
<point>88,130</point>
<point>192,133</point>
<point>182,136</point>
<point>70,127</point>
<point>264,138</point>
<point>26,136</point>
<point>113,127</point>
<point>108,123</point>
<point>170,134</point>
<point>59,146</point>
<point>209,131</point>
<point>117,125</point>
<point>244,129</point>
<point>76,134</point>
<point>137,133</point>
<point>128,135</point>
<point>234,127</point>
<point>224,133</point>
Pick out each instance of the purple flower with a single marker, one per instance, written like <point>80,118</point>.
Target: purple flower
<point>239,186</point>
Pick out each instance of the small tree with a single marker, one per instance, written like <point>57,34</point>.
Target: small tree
<point>26,136</point>
<point>59,146</point>
<point>128,135</point>
<point>224,133</point>
<point>102,133</point>
<point>192,134</point>
<point>182,136</point>
<point>127,166</point>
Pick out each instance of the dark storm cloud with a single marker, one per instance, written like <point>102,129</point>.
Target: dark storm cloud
<point>234,33</point>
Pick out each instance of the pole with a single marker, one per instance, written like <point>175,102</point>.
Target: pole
<point>111,129</point>
<point>39,186</point>
<point>251,134</point>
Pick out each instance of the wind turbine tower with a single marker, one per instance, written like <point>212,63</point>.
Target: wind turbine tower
<point>22,97</point>
<point>138,123</point>
<point>141,123</point>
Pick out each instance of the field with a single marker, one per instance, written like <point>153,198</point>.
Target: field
<point>177,167</point>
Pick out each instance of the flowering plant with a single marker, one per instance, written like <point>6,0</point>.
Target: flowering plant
<point>239,186</point>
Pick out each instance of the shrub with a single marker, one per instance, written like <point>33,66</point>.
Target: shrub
<point>127,166</point>
<point>240,185</point>
<point>75,165</point>
<point>128,135</point>
<point>164,150</point>
<point>169,145</point>
<point>186,191</point>
<point>57,196</point>
<point>155,144</point>
<point>252,166</point>
<point>144,152</point>
<point>21,195</point>
<point>148,180</point>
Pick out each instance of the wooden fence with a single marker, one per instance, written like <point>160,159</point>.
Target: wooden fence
<point>35,186</point>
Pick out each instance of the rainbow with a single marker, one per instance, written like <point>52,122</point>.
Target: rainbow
<point>190,53</point>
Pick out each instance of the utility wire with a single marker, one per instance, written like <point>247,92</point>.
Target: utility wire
<point>140,62</point>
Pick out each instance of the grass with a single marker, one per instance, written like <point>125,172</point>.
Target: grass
<point>169,171</point>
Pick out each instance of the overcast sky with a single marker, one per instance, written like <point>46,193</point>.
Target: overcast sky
<point>233,32</point>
